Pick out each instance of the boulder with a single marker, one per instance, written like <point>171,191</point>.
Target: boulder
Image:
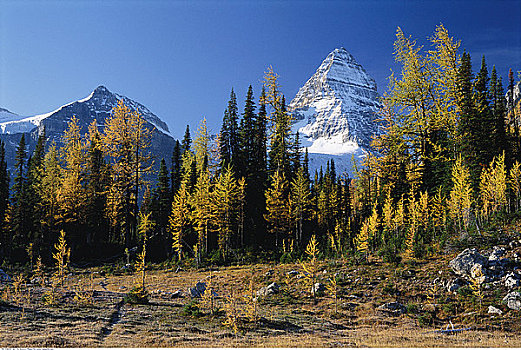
<point>4,277</point>
<point>269,290</point>
<point>494,310</point>
<point>293,273</point>
<point>392,309</point>
<point>318,288</point>
<point>197,291</point>
<point>512,280</point>
<point>466,260</point>
<point>513,300</point>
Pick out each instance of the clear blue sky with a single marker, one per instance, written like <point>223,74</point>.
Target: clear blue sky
<point>180,58</point>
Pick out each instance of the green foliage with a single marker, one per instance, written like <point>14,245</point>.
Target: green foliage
<point>192,309</point>
<point>137,295</point>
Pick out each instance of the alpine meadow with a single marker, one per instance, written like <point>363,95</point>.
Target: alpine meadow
<point>343,217</point>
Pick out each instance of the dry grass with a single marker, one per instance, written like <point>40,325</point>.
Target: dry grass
<point>288,320</point>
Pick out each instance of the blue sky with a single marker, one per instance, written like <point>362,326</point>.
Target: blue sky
<point>181,58</point>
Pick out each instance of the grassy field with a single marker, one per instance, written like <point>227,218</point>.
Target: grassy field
<point>289,318</point>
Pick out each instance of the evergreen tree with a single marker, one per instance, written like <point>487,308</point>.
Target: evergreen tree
<point>187,140</point>
<point>229,136</point>
<point>175,179</point>
<point>20,216</point>
<point>161,207</point>
<point>97,182</point>
<point>4,200</point>
<point>225,209</point>
<point>247,132</point>
<point>498,109</point>
<point>484,123</point>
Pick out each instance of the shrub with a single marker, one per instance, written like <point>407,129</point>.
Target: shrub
<point>191,309</point>
<point>137,295</point>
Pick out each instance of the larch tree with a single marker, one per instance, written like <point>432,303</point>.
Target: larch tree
<point>461,194</point>
<point>126,141</point>
<point>300,202</point>
<point>278,213</point>
<point>179,220</point>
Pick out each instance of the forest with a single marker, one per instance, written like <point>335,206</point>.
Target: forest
<point>445,164</point>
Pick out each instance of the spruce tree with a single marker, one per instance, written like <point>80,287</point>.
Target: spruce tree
<point>187,140</point>
<point>4,200</point>
<point>247,139</point>
<point>175,175</point>
<point>229,136</point>
<point>162,203</point>
<point>484,122</point>
<point>498,110</point>
<point>19,221</point>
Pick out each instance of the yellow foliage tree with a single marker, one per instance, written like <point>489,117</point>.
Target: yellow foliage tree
<point>460,200</point>
<point>514,180</point>
<point>493,187</point>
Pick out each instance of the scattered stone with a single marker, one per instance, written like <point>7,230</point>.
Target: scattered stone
<point>352,296</point>
<point>392,309</point>
<point>4,277</point>
<point>512,280</point>
<point>454,285</point>
<point>269,273</point>
<point>269,290</point>
<point>177,294</point>
<point>494,310</point>
<point>513,300</point>
<point>465,261</point>
<point>198,290</point>
<point>318,288</point>
<point>122,287</point>
<point>293,273</point>
<point>497,254</point>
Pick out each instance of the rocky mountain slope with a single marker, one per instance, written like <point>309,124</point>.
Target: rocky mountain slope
<point>97,106</point>
<point>335,111</point>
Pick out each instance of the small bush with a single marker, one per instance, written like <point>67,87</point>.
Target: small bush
<point>137,295</point>
<point>425,319</point>
<point>412,308</point>
<point>191,309</point>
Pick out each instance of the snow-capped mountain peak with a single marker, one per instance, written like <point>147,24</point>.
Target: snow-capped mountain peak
<point>335,110</point>
<point>97,105</point>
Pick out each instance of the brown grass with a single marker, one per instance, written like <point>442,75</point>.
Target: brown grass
<point>287,321</point>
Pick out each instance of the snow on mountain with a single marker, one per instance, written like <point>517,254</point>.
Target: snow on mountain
<point>98,104</point>
<point>335,111</point>
<point>7,116</point>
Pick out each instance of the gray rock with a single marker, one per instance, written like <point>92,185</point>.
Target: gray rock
<point>269,273</point>
<point>497,253</point>
<point>269,290</point>
<point>177,294</point>
<point>512,280</point>
<point>198,290</point>
<point>4,277</point>
<point>392,309</point>
<point>455,284</point>
<point>494,310</point>
<point>318,288</point>
<point>293,273</point>
<point>465,261</point>
<point>513,300</point>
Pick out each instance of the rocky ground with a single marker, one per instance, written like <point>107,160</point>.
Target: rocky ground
<point>463,297</point>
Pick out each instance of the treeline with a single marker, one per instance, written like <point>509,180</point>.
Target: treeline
<point>446,162</point>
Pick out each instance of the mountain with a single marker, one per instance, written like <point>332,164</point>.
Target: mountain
<point>335,111</point>
<point>97,106</point>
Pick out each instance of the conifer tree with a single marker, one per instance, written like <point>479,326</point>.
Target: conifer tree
<point>20,216</point>
<point>4,200</point>
<point>187,140</point>
<point>225,209</point>
<point>300,201</point>
<point>201,202</point>
<point>229,136</point>
<point>179,220</point>
<point>201,147</point>
<point>461,194</point>
<point>126,141</point>
<point>97,180</point>
<point>247,131</point>
<point>162,203</point>
<point>175,179</point>
<point>277,209</point>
